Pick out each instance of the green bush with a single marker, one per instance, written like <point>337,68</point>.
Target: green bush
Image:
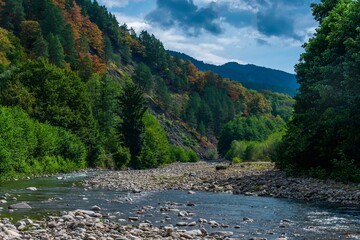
<point>122,158</point>
<point>179,154</point>
<point>29,147</point>
<point>236,160</point>
<point>155,150</point>
<point>212,154</point>
<point>254,150</point>
<point>193,157</point>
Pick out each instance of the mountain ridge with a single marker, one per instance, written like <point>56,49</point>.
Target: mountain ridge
<point>250,75</point>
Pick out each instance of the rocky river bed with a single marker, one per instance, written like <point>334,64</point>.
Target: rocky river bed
<point>255,179</point>
<point>175,202</point>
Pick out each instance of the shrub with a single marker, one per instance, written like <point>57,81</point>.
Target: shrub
<point>212,154</point>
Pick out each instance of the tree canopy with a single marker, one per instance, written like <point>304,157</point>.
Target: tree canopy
<point>324,132</point>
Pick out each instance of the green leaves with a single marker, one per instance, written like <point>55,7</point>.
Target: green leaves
<point>325,124</point>
<point>31,147</point>
<point>132,109</point>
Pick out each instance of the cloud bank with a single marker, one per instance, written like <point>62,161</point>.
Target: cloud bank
<point>277,18</point>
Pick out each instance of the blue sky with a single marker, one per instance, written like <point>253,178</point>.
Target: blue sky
<point>267,33</point>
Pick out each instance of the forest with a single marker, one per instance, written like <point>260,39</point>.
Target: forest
<point>76,88</point>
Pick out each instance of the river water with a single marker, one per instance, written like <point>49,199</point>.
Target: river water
<point>271,217</point>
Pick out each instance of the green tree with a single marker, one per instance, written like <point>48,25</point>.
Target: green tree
<point>32,40</point>
<point>56,51</point>
<point>54,95</point>
<point>155,150</point>
<point>254,128</point>
<point>325,124</point>
<point>162,92</point>
<point>67,39</point>
<point>133,106</point>
<point>12,15</point>
<point>142,76</point>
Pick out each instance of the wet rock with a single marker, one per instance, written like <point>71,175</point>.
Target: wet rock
<point>204,231</point>
<point>214,224</point>
<point>248,220</point>
<point>135,190</point>
<point>133,218</point>
<point>202,220</point>
<point>192,224</point>
<point>222,234</point>
<point>181,224</point>
<point>22,205</point>
<point>191,192</point>
<point>95,208</point>
<point>182,214</point>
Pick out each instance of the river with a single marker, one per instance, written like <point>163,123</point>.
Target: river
<point>253,216</point>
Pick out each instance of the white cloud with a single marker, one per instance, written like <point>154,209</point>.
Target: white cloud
<point>138,24</point>
<point>117,3</point>
<point>207,52</point>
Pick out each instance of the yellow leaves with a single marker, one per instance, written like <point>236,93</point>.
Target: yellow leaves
<point>5,47</point>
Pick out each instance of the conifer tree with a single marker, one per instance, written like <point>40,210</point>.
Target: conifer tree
<point>12,15</point>
<point>56,51</point>
<point>133,107</point>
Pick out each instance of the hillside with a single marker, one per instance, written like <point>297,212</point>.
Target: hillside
<point>70,64</point>
<point>251,76</point>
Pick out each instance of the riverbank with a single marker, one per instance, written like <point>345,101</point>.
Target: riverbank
<point>93,225</point>
<point>256,179</point>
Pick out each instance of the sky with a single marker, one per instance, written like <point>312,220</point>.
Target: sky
<point>267,33</point>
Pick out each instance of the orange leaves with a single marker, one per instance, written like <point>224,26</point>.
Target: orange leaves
<point>98,65</point>
<point>82,25</point>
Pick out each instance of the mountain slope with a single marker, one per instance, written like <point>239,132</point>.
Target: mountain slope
<point>251,76</point>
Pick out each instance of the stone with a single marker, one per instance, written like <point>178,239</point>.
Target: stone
<point>12,234</point>
<point>184,235</point>
<point>182,214</point>
<point>191,192</point>
<point>3,201</point>
<point>192,224</point>
<point>202,220</point>
<point>214,224</point>
<point>52,224</point>
<point>195,232</point>
<point>22,205</point>
<point>247,220</point>
<point>222,234</point>
<point>181,224</point>
<point>32,189</point>
<point>95,208</point>
<point>133,218</point>
<point>204,232</point>
<point>135,190</point>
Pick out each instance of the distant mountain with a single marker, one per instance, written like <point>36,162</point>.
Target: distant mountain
<point>251,76</point>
